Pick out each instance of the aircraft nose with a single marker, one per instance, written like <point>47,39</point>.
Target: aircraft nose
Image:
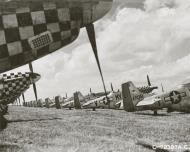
<point>35,77</point>
<point>101,9</point>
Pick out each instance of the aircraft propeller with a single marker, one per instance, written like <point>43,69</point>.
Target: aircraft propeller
<point>19,101</point>
<point>162,88</point>
<point>91,35</point>
<point>23,97</point>
<point>148,80</point>
<point>66,96</point>
<point>112,87</point>
<point>34,85</point>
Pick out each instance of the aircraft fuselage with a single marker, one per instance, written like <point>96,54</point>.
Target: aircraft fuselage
<point>31,29</point>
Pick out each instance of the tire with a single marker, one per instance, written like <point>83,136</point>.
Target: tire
<point>155,113</point>
<point>3,109</point>
<point>3,123</point>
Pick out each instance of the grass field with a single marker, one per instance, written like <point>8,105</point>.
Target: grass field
<point>51,130</point>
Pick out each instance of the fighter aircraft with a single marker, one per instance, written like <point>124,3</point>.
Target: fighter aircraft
<point>78,99</point>
<point>103,102</point>
<point>12,87</point>
<point>31,29</point>
<point>184,105</point>
<point>147,91</point>
<point>133,99</point>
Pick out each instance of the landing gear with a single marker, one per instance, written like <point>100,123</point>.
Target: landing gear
<point>94,109</point>
<point>3,122</point>
<point>155,113</point>
<point>3,109</point>
<point>169,110</point>
<point>70,108</point>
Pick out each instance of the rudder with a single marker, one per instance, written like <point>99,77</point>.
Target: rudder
<point>77,104</point>
<point>131,96</point>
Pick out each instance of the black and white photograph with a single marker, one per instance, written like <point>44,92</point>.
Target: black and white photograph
<point>94,75</point>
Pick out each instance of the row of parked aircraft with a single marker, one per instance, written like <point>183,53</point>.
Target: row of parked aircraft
<point>31,29</point>
<point>130,99</point>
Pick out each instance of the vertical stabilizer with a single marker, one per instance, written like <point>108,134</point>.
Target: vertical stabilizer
<point>131,96</point>
<point>77,104</point>
<point>81,97</point>
<point>57,102</point>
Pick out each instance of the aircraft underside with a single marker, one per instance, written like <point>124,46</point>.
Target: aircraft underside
<point>30,31</point>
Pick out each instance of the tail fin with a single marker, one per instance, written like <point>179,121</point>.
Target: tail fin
<point>47,102</point>
<point>81,97</point>
<point>57,102</point>
<point>78,99</point>
<point>131,96</point>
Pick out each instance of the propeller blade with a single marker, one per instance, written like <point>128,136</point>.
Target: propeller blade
<point>66,96</point>
<point>92,37</point>
<point>111,86</point>
<point>31,67</point>
<point>23,97</point>
<point>35,91</point>
<point>162,88</point>
<point>19,101</point>
<point>90,90</point>
<point>148,80</point>
<point>16,101</point>
<point>34,85</point>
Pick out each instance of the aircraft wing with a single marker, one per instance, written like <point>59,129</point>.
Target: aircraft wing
<point>68,104</point>
<point>119,104</point>
<point>148,101</point>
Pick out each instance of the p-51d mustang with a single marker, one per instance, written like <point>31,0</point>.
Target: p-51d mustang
<point>133,99</point>
<point>12,87</point>
<point>31,29</point>
<point>103,102</point>
<point>147,91</point>
<point>76,102</point>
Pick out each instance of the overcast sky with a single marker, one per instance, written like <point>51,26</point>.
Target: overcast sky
<point>135,39</point>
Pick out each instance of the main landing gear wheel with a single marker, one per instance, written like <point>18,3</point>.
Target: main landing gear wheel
<point>5,110</point>
<point>155,113</point>
<point>3,122</point>
<point>94,109</point>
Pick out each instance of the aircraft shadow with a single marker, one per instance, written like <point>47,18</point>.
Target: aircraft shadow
<point>150,147</point>
<point>9,147</point>
<point>149,114</point>
<point>30,120</point>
